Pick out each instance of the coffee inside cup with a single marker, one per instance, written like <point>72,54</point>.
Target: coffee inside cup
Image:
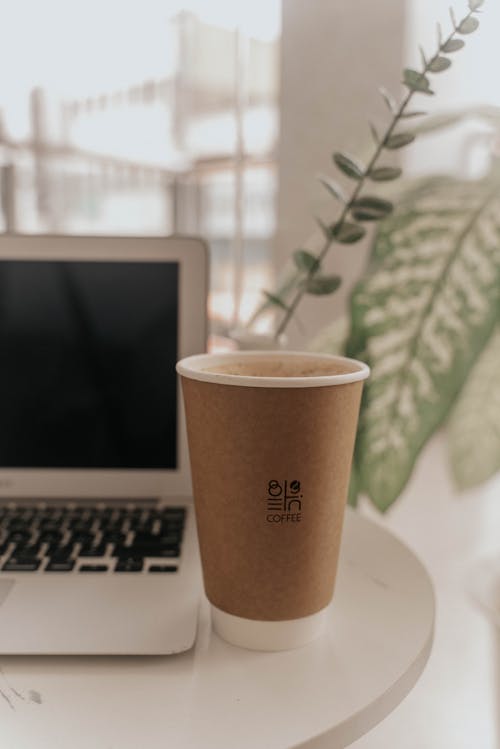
<point>282,367</point>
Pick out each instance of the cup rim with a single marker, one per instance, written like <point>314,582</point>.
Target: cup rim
<point>191,367</point>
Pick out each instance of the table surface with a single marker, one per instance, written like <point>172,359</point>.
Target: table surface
<point>326,694</point>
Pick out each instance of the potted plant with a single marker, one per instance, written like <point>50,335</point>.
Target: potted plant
<point>425,314</point>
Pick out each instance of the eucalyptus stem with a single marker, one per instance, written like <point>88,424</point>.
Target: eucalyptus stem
<point>431,65</point>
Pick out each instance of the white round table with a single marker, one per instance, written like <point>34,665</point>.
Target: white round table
<point>218,696</point>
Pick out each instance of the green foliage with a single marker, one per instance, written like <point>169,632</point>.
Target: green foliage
<point>416,81</point>
<point>389,100</point>
<point>439,35</point>
<point>347,233</point>
<point>375,135</point>
<point>468,25</point>
<point>275,300</point>
<point>322,285</point>
<point>426,307</point>
<point>356,205</point>
<point>474,425</point>
<point>371,208</point>
<point>420,317</point>
<point>399,140</point>
<point>305,261</point>
<point>333,188</point>
<point>348,165</point>
<point>453,45</point>
<point>439,64</point>
<point>385,173</point>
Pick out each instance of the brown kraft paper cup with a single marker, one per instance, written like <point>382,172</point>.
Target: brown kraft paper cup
<point>270,460</point>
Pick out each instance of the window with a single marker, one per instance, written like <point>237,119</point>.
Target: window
<point>147,119</point>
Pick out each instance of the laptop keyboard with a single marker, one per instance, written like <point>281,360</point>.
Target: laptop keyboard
<point>90,539</point>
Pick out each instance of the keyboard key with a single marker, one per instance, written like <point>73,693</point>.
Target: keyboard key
<point>93,551</point>
<point>150,550</point>
<point>50,537</point>
<point>17,525</point>
<point>113,537</point>
<point>81,526</point>
<point>21,565</point>
<point>163,568</point>
<point>17,536</point>
<point>60,552</point>
<point>49,527</point>
<point>129,565</point>
<point>26,550</point>
<point>142,528</point>
<point>150,539</point>
<point>81,537</point>
<point>59,566</point>
<point>93,568</point>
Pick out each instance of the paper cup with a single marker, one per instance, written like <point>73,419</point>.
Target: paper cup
<point>271,438</point>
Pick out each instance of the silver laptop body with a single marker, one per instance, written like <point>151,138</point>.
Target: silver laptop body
<point>98,549</point>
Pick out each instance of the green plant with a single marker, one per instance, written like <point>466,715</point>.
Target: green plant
<point>357,207</point>
<point>423,316</point>
<point>426,316</point>
<point>426,313</point>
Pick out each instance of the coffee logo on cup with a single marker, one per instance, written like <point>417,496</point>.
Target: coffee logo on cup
<point>284,502</point>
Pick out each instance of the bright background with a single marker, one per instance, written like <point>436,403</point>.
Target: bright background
<point>215,118</point>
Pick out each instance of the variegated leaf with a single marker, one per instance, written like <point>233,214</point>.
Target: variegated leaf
<point>420,317</point>
<point>474,425</point>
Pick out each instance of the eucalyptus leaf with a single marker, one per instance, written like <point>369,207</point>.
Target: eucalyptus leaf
<point>468,25</point>
<point>275,300</point>
<point>322,285</point>
<point>385,173</point>
<point>438,64</point>
<point>453,18</point>
<point>305,261</point>
<point>439,35</point>
<point>453,45</point>
<point>399,140</point>
<point>389,100</point>
<point>416,81</point>
<point>421,315</point>
<point>287,284</point>
<point>474,425</point>
<point>327,230</point>
<point>348,165</point>
<point>374,133</point>
<point>423,57</point>
<point>333,188</point>
<point>347,233</point>
<point>371,208</point>
<point>475,4</point>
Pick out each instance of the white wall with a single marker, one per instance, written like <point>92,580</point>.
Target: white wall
<point>335,55</point>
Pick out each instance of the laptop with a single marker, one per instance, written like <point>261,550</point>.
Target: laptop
<point>98,548</point>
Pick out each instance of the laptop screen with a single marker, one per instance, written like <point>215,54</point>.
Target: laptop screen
<point>87,364</point>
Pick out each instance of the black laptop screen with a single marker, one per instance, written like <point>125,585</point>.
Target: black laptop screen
<point>87,364</point>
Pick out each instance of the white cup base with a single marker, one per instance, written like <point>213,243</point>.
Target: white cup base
<point>260,635</point>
